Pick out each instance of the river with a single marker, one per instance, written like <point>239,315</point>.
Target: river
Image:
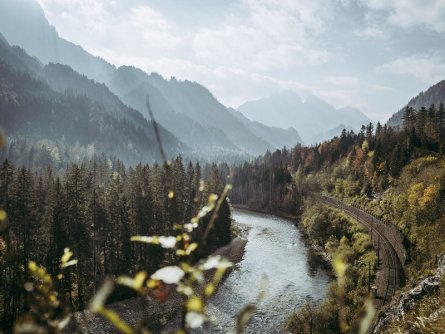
<point>277,258</point>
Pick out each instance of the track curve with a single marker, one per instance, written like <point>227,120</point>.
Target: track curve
<point>392,268</point>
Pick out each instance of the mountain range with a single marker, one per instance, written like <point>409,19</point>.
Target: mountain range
<point>60,109</point>
<point>314,119</point>
<point>186,109</point>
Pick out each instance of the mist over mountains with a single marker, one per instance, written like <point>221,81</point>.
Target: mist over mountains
<point>194,122</point>
<point>70,116</point>
<point>186,109</point>
<point>314,119</point>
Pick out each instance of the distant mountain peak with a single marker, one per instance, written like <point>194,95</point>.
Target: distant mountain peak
<point>309,117</point>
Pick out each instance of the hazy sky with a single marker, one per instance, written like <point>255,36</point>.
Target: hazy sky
<point>372,54</point>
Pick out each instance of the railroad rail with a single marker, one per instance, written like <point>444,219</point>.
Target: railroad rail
<point>392,267</point>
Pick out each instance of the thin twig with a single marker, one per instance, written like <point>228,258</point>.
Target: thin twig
<point>156,128</point>
<point>215,212</point>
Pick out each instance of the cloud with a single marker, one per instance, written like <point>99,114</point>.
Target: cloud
<point>236,58</point>
<point>247,49</point>
<point>428,68</point>
<point>265,35</point>
<point>410,13</point>
<point>372,31</point>
<point>341,80</point>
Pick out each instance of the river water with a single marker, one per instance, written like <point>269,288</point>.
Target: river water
<point>277,261</point>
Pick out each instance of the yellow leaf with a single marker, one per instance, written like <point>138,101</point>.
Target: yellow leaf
<point>213,198</point>
<point>209,289</point>
<point>149,240</point>
<point>125,280</point>
<point>3,215</point>
<point>139,280</point>
<point>66,256</point>
<point>193,246</point>
<point>69,263</point>
<point>195,304</point>
<point>101,296</point>
<point>115,319</point>
<point>32,266</point>
<point>151,283</point>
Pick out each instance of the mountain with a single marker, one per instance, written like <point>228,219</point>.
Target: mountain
<point>23,23</point>
<point>278,137</point>
<point>189,110</point>
<point>433,95</point>
<point>309,117</point>
<point>208,140</point>
<point>185,108</point>
<point>55,106</point>
<point>326,135</point>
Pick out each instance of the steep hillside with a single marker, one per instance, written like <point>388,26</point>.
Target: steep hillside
<point>198,105</point>
<point>433,95</point>
<point>276,136</point>
<point>310,117</point>
<point>59,107</point>
<point>210,141</point>
<point>23,23</point>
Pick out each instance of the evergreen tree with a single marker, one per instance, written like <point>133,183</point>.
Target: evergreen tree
<point>76,222</point>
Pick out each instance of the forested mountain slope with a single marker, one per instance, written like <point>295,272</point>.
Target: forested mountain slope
<point>433,95</point>
<point>55,106</point>
<point>175,101</point>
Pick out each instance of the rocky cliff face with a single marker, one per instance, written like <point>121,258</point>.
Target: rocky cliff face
<point>408,300</point>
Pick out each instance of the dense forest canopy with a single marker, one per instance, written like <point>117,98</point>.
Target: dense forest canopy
<point>267,181</point>
<point>94,209</point>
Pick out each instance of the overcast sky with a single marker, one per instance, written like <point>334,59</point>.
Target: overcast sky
<point>371,54</point>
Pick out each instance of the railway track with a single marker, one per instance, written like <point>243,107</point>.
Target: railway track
<point>392,268</point>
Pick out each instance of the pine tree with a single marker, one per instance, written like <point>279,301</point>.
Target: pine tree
<point>23,214</point>
<point>440,115</point>
<point>76,221</point>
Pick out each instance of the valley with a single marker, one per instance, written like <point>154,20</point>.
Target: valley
<point>222,167</point>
